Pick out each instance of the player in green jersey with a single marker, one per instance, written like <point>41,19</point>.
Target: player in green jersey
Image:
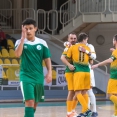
<point>32,51</point>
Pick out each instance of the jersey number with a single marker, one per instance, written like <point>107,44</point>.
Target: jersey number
<point>81,57</point>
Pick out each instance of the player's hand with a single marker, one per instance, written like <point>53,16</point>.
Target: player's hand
<point>23,36</point>
<point>82,49</point>
<point>67,44</point>
<point>48,77</point>
<point>71,67</point>
<point>112,49</point>
<point>94,66</point>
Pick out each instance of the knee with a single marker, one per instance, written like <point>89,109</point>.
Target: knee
<point>72,93</point>
<point>29,103</point>
<point>109,95</point>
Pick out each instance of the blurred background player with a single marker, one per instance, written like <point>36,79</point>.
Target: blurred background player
<point>3,40</point>
<point>112,83</point>
<point>71,104</point>
<point>32,51</point>
<point>81,72</point>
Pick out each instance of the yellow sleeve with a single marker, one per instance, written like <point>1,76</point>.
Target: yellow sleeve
<point>69,53</point>
<point>114,55</point>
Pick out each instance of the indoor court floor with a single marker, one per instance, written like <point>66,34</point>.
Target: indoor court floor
<point>52,109</point>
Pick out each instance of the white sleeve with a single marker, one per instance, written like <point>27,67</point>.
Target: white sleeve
<point>17,43</point>
<point>93,54</point>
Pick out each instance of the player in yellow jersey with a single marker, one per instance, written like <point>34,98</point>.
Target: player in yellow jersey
<point>71,104</point>
<point>92,99</point>
<point>112,84</point>
<point>82,72</point>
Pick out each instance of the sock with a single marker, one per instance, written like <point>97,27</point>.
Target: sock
<point>115,107</point>
<point>89,102</point>
<point>86,98</point>
<point>29,112</point>
<point>82,102</point>
<point>69,106</point>
<point>92,100</point>
<point>113,98</point>
<point>74,104</point>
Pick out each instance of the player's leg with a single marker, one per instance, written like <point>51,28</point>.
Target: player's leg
<point>35,106</point>
<point>69,102</point>
<point>82,83</point>
<point>74,105</point>
<point>112,92</point>
<point>38,94</point>
<point>115,110</point>
<point>79,87</point>
<point>93,102</point>
<point>28,97</point>
<point>92,99</point>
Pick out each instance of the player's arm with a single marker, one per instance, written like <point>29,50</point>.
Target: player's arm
<point>91,62</point>
<point>19,48</point>
<point>64,60</point>
<point>49,69</point>
<point>112,49</point>
<point>92,54</point>
<point>110,60</point>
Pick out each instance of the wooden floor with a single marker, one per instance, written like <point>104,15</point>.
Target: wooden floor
<point>52,109</point>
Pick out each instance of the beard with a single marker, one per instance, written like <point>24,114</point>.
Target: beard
<point>73,43</point>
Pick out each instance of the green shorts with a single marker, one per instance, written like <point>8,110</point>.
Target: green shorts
<point>32,91</point>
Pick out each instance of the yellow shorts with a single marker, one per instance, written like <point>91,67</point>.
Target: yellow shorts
<point>69,79</point>
<point>81,81</point>
<point>112,86</point>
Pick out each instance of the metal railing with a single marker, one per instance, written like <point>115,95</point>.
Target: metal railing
<point>12,76</point>
<point>52,37</point>
<point>92,6</point>
<point>13,18</point>
<point>47,20</point>
<point>113,6</point>
<point>5,4</point>
<point>68,12</point>
<point>41,19</point>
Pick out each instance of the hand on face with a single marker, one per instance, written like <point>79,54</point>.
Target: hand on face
<point>23,33</point>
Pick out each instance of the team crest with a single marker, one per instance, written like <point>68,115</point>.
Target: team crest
<point>38,47</point>
<point>25,47</point>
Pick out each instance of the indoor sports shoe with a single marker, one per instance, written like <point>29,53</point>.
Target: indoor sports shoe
<point>94,114</point>
<point>88,113</point>
<point>71,115</point>
<point>81,115</point>
<point>75,113</point>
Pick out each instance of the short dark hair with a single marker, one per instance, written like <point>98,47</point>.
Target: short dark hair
<point>115,37</point>
<point>73,33</point>
<point>82,36</point>
<point>29,21</point>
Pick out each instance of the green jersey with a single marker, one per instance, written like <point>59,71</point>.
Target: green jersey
<point>31,68</point>
<point>113,67</point>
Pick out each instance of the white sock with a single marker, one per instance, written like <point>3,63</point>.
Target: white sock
<point>92,99</point>
<point>89,102</point>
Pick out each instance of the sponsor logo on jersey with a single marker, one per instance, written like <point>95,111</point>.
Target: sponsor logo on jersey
<point>25,47</point>
<point>38,47</point>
